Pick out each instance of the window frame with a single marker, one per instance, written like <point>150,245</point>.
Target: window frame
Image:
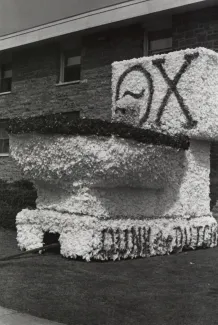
<point>166,34</point>
<point>64,49</point>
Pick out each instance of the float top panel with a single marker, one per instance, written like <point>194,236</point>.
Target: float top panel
<point>172,93</point>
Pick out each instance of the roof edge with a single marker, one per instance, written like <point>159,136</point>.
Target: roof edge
<point>91,19</point>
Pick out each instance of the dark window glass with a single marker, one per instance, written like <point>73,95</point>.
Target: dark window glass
<point>6,77</point>
<point>160,42</point>
<point>6,85</point>
<point>72,73</point>
<point>72,65</point>
<point>4,139</point>
<point>4,146</point>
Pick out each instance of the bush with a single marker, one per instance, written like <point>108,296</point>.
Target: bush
<point>13,198</point>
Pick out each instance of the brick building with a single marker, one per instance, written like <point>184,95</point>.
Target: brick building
<point>61,61</point>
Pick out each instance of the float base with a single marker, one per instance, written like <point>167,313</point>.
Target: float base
<point>105,239</point>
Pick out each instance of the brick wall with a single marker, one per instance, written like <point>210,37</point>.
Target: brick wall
<point>190,30</point>
<point>194,29</point>
<point>8,170</point>
<point>36,73</point>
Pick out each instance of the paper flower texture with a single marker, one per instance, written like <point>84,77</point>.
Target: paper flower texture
<point>111,195</point>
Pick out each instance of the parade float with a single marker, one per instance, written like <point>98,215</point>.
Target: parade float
<point>137,185</point>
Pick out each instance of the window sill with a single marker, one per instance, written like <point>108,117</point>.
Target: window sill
<point>5,93</point>
<point>71,83</point>
<point>4,154</point>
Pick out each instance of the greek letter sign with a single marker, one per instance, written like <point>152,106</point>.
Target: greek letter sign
<point>176,92</point>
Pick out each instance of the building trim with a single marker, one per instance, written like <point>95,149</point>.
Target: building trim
<point>108,15</point>
<point>145,43</point>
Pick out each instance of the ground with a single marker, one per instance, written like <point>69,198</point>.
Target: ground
<point>179,289</point>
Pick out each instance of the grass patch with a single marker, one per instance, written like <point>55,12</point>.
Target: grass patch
<point>179,289</point>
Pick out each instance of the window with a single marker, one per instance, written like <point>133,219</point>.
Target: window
<point>159,42</point>
<point>5,77</point>
<point>4,139</point>
<point>70,65</point>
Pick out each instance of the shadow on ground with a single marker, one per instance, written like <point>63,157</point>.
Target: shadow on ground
<point>173,290</point>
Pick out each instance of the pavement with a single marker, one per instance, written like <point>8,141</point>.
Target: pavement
<point>11,317</point>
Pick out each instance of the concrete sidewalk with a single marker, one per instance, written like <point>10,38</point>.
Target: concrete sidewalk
<point>11,317</point>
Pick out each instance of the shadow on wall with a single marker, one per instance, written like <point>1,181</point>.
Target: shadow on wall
<point>144,201</point>
<point>213,176</point>
<point>13,198</point>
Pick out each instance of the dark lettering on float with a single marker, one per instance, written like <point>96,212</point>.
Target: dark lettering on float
<point>204,233</point>
<point>136,239</point>
<point>213,236</point>
<point>118,238</point>
<point>198,233</point>
<point>104,251</point>
<point>158,241</point>
<point>206,241</point>
<point>179,236</point>
<point>173,89</point>
<point>111,232</point>
<point>169,242</point>
<point>126,236</point>
<point>210,235</point>
<point>147,75</point>
<point>140,240</point>
<point>188,243</point>
<point>146,241</point>
<point>103,234</point>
